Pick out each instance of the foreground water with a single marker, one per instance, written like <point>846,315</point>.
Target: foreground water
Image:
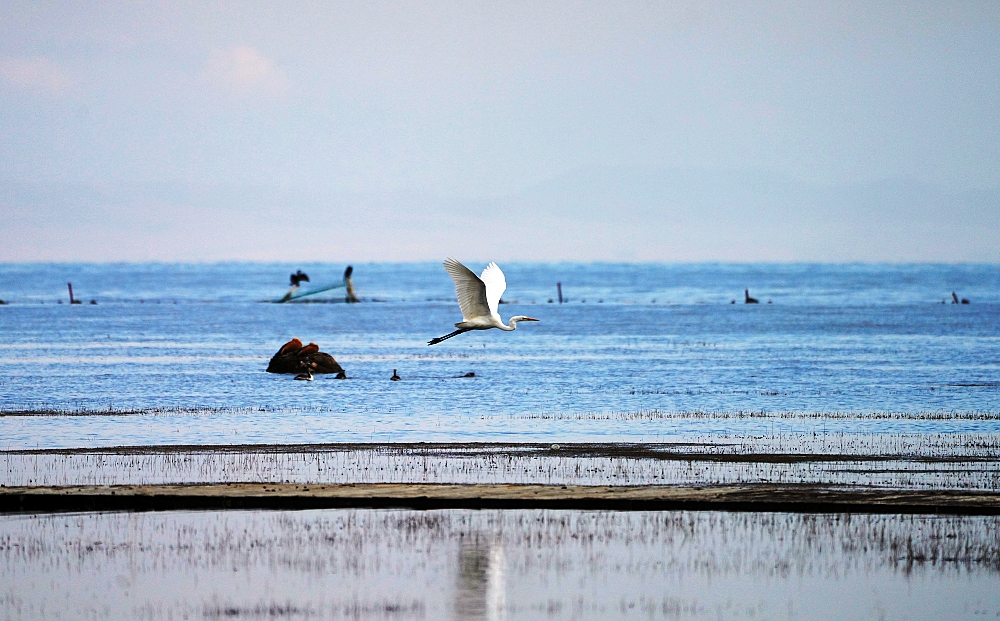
<point>175,354</point>
<point>457,564</point>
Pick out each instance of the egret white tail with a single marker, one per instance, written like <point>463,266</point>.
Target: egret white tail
<point>478,297</point>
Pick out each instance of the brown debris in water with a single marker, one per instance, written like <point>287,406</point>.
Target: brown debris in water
<point>293,357</point>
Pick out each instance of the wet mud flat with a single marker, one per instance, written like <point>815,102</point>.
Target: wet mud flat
<point>801,498</point>
<point>353,563</point>
<point>842,527</point>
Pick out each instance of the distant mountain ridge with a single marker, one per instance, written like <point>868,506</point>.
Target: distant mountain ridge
<point>594,214</point>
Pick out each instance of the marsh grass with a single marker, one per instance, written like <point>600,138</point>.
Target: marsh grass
<point>924,461</point>
<point>786,447</point>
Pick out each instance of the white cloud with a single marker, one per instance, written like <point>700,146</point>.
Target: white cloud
<point>244,70</point>
<point>35,74</point>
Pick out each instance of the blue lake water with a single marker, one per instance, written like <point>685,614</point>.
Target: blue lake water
<point>632,346</point>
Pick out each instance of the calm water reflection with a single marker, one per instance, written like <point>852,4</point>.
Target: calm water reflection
<point>532,564</point>
<point>480,593</point>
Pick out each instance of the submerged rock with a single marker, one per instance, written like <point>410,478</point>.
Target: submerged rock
<point>293,357</point>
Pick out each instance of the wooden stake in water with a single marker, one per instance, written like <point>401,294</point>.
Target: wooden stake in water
<point>559,289</point>
<point>349,284</point>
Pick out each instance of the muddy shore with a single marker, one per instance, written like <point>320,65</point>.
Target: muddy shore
<point>790,498</point>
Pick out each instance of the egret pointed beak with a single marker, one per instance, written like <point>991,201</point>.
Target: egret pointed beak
<point>529,319</point>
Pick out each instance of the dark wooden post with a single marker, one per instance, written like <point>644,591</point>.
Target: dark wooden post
<point>350,298</point>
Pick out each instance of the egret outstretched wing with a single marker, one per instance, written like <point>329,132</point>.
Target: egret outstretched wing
<point>495,283</point>
<point>478,298</point>
<point>470,289</point>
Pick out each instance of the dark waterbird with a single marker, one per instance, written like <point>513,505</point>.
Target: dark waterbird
<point>297,277</point>
<point>748,299</point>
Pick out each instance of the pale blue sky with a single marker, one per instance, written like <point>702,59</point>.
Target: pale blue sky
<point>663,131</point>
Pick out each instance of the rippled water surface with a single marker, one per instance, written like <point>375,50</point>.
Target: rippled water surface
<point>186,345</point>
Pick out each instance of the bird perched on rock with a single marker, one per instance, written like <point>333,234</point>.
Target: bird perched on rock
<point>478,297</point>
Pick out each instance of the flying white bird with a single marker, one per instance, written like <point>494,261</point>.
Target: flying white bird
<point>478,297</point>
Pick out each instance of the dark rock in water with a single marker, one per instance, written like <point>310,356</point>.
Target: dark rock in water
<point>293,357</point>
<point>341,375</point>
<point>469,374</point>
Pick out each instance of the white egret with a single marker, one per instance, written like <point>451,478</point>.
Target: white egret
<point>478,297</point>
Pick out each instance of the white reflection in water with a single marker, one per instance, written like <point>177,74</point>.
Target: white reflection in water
<point>530,564</point>
<point>495,589</point>
<point>481,593</point>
